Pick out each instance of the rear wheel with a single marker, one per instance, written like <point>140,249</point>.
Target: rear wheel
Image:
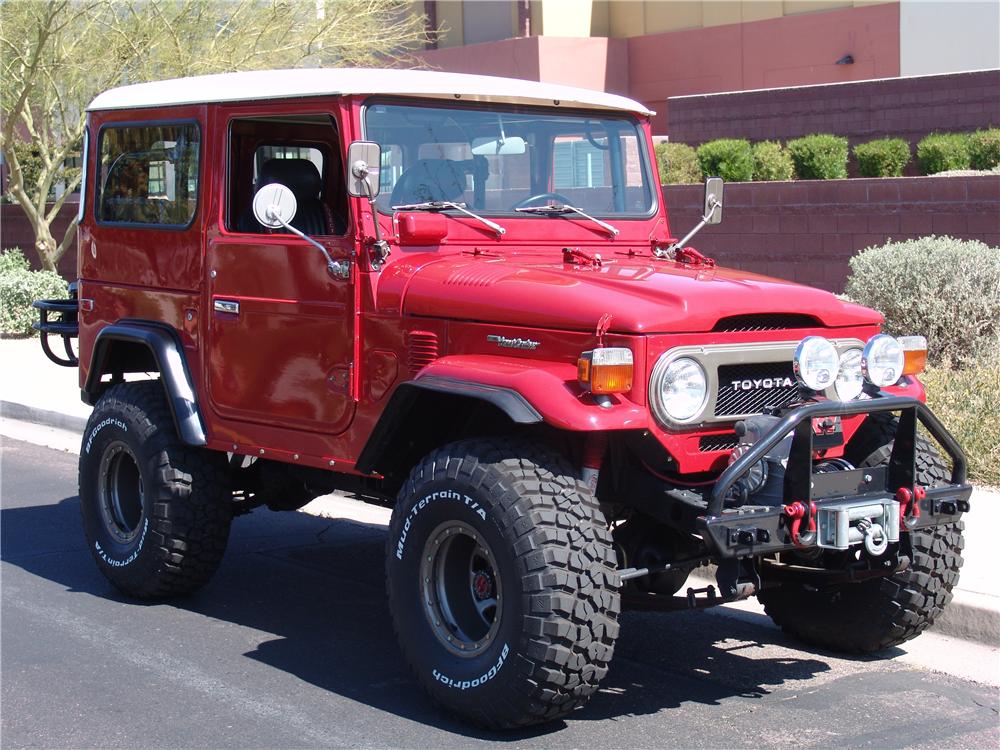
<point>879,613</point>
<point>502,582</point>
<point>156,513</point>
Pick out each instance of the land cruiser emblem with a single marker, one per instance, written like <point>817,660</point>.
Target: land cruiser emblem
<point>507,343</point>
<point>761,384</point>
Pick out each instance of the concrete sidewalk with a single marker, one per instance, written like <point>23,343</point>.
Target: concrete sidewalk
<point>34,390</point>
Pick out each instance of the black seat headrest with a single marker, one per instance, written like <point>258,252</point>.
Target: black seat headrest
<point>298,175</point>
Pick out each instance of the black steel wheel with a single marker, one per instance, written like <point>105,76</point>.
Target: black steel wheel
<point>156,513</point>
<point>876,614</point>
<point>502,582</point>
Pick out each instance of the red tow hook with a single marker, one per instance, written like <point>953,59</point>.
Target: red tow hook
<point>909,503</point>
<point>796,512</point>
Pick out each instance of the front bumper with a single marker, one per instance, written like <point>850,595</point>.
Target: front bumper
<point>758,530</point>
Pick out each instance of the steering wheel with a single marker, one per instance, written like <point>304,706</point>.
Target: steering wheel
<point>540,197</point>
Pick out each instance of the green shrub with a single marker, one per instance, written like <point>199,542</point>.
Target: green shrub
<point>984,149</point>
<point>728,158</point>
<point>819,157</point>
<point>19,287</point>
<point>966,400</point>
<point>945,289</point>
<point>678,163</point>
<point>886,157</point>
<point>771,162</point>
<point>940,152</point>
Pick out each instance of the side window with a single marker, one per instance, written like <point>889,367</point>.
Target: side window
<point>148,174</point>
<point>266,153</point>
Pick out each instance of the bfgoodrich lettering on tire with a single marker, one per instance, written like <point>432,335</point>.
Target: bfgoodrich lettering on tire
<point>502,582</point>
<point>155,512</point>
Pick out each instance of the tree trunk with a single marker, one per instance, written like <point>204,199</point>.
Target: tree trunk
<point>45,246</point>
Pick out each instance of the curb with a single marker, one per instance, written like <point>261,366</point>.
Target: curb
<point>24,413</point>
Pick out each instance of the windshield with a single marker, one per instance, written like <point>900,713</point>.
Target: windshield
<point>498,160</point>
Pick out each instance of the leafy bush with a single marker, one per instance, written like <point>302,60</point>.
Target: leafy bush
<point>771,162</point>
<point>819,157</point>
<point>678,163</point>
<point>965,400</point>
<point>728,158</point>
<point>886,157</point>
<point>940,152</point>
<point>945,289</point>
<point>19,287</point>
<point>984,149</point>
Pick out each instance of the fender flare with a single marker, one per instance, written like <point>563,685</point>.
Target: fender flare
<point>167,352</point>
<point>528,392</point>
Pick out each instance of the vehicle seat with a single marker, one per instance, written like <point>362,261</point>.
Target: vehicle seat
<point>312,215</point>
<point>430,180</point>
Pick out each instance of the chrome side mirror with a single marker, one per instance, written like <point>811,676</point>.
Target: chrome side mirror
<point>365,160</point>
<point>713,200</point>
<point>274,206</point>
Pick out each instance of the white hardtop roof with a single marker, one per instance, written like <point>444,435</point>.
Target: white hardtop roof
<point>305,82</point>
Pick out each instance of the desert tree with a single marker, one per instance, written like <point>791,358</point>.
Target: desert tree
<point>56,56</point>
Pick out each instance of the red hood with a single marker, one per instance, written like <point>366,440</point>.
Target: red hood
<point>642,295</point>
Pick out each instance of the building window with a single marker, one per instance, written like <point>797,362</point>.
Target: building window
<point>148,174</point>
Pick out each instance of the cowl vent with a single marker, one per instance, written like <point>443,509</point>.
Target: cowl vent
<point>422,349</point>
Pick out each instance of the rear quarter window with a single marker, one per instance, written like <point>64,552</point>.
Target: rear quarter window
<point>148,174</point>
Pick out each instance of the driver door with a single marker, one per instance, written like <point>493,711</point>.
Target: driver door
<point>281,336</point>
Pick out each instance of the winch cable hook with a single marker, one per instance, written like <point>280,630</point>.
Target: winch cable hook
<point>798,512</point>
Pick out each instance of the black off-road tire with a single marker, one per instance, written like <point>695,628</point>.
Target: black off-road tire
<point>557,618</point>
<point>156,513</point>
<point>876,614</point>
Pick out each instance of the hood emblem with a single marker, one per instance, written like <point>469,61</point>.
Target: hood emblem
<point>509,343</point>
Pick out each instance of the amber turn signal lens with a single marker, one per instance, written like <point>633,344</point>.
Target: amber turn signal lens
<point>605,370</point>
<point>914,354</point>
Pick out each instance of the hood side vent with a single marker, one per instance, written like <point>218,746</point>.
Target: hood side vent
<point>765,322</point>
<point>422,349</point>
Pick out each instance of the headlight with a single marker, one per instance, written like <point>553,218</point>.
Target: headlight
<point>678,390</point>
<point>816,363</point>
<point>850,381</point>
<point>882,360</point>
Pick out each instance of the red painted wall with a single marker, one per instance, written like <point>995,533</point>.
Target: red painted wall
<point>15,231</point>
<point>807,230</point>
<point>790,51</point>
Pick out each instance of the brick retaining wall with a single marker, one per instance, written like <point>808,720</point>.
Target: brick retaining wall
<point>15,231</point>
<point>907,108</point>
<point>807,230</point>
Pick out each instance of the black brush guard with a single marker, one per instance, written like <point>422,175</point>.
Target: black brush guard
<point>757,530</point>
<point>65,325</point>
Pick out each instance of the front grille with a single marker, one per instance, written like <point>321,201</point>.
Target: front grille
<point>734,401</point>
<point>765,322</point>
<point>724,442</point>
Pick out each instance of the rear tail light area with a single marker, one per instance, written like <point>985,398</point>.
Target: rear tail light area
<point>605,370</point>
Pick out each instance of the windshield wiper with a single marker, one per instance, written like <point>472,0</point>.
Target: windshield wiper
<point>442,205</point>
<point>561,209</point>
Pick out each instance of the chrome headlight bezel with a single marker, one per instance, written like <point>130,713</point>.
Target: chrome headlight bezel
<point>657,400</point>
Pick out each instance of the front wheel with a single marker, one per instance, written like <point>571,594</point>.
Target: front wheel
<point>156,513</point>
<point>882,612</point>
<point>502,582</point>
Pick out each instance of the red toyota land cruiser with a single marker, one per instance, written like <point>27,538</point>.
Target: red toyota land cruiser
<point>459,296</point>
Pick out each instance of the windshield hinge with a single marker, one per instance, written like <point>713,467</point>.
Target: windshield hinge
<point>686,255</point>
<point>578,257</point>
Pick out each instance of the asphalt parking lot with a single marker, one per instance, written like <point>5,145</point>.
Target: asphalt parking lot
<point>290,645</point>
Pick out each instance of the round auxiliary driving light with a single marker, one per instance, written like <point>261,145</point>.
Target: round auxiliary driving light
<point>678,390</point>
<point>882,360</point>
<point>850,380</point>
<point>816,363</point>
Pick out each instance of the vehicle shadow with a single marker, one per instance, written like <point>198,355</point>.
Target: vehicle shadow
<point>316,585</point>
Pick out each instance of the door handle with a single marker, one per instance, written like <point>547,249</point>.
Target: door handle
<point>228,306</point>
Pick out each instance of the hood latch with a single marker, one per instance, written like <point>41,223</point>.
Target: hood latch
<point>578,257</point>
